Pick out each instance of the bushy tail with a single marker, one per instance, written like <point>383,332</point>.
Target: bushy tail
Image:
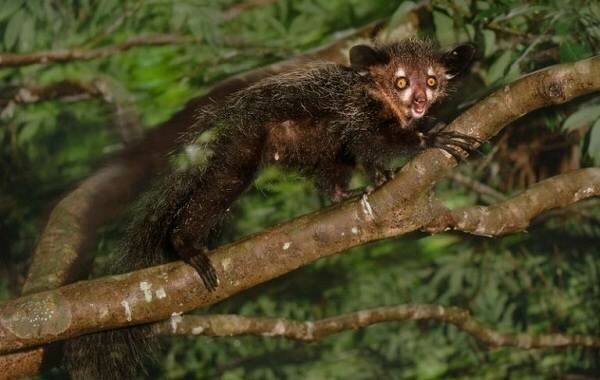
<point>233,156</point>
<point>121,353</point>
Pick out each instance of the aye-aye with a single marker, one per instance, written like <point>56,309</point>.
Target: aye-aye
<point>323,120</point>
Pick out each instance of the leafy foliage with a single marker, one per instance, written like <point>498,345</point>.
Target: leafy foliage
<point>545,280</point>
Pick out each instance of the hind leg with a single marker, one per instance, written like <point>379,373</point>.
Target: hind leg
<point>334,180</point>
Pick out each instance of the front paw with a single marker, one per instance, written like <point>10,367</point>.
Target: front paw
<point>456,144</point>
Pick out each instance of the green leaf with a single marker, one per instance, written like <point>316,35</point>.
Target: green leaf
<point>36,9</point>
<point>13,28</point>
<point>582,118</point>
<point>400,14</point>
<point>594,147</point>
<point>444,28</point>
<point>489,42</point>
<point>572,51</point>
<point>8,7</point>
<point>498,68</point>
<point>27,35</point>
<point>28,132</point>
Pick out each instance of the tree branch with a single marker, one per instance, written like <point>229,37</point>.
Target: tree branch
<point>70,55</point>
<point>488,193</point>
<point>126,118</point>
<point>235,10</point>
<point>66,90</point>
<point>402,205</point>
<point>515,214</point>
<point>310,331</point>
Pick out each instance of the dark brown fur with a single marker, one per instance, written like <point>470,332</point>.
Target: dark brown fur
<point>323,121</point>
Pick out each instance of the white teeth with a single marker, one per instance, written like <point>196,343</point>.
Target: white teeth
<point>416,114</point>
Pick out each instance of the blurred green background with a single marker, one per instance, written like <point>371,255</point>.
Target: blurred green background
<point>544,280</point>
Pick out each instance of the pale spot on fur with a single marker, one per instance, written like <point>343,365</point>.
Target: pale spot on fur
<point>125,305</point>
<point>198,330</point>
<point>354,231</point>
<point>400,72</point>
<point>146,288</point>
<point>286,245</point>
<point>276,156</point>
<point>430,71</point>
<point>175,320</point>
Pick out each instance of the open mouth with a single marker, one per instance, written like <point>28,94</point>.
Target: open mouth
<point>418,111</point>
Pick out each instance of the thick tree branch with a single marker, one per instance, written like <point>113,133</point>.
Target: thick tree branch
<point>402,205</point>
<point>515,214</point>
<point>231,324</point>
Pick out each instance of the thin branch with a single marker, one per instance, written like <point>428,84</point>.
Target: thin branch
<point>400,206</point>
<point>70,55</point>
<point>233,325</point>
<point>80,54</point>
<point>237,9</point>
<point>487,192</point>
<point>125,115</point>
<point>67,90</point>
<point>516,213</point>
<point>116,24</point>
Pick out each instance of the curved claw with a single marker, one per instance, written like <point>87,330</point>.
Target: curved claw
<point>456,144</point>
<point>205,269</point>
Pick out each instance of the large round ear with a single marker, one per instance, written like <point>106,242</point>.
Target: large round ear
<point>459,59</point>
<point>362,57</point>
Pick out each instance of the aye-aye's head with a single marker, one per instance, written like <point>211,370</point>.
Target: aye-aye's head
<point>411,75</point>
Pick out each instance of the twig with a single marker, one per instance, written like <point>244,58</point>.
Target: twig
<point>70,55</point>
<point>225,325</point>
<point>237,9</point>
<point>125,116</point>
<point>484,190</point>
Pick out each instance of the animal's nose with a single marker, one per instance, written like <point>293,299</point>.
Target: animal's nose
<point>419,97</point>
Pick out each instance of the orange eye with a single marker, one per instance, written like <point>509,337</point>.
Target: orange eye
<point>431,82</point>
<point>401,83</point>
